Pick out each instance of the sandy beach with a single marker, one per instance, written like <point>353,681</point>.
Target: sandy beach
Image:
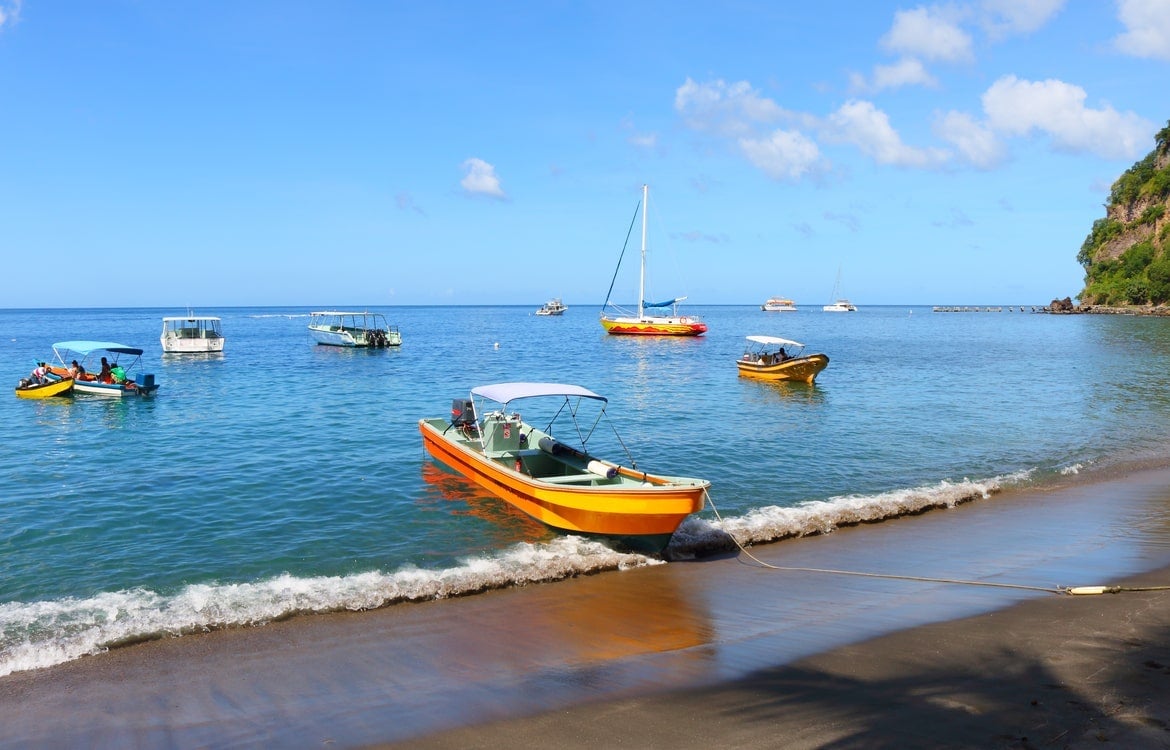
<point>716,652</point>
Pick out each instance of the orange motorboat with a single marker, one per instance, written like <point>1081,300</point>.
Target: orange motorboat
<point>559,483</point>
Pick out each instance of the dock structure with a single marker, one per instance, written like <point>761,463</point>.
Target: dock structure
<point>986,308</point>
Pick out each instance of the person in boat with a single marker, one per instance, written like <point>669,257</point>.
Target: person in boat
<point>117,373</point>
<point>74,369</point>
<point>81,374</point>
<point>40,373</point>
<point>104,376</point>
<point>781,355</point>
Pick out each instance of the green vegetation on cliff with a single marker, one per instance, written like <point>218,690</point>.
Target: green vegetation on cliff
<point>1127,254</point>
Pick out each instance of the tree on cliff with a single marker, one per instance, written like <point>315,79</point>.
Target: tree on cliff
<point>1127,254</point>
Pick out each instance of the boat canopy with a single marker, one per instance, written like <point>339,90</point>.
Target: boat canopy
<point>774,341</point>
<point>86,347</point>
<point>504,392</point>
<point>343,312</point>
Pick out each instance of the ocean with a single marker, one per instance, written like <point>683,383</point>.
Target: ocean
<point>282,478</point>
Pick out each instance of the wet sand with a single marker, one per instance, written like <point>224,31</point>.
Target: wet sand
<point>718,652</point>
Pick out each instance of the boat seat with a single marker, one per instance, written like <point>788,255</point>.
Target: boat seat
<point>570,478</point>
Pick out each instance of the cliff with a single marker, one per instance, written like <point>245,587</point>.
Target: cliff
<point>1127,254</point>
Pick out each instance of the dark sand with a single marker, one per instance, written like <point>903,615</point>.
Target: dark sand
<point>713,653</point>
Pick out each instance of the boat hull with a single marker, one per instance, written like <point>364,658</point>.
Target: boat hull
<point>681,326</point>
<point>46,390</point>
<point>641,512</point>
<point>352,339</point>
<point>113,390</point>
<point>803,369</point>
<point>175,345</point>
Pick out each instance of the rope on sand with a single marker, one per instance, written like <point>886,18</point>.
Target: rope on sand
<point>1075,591</point>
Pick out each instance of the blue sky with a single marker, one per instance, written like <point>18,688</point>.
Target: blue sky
<point>389,153</point>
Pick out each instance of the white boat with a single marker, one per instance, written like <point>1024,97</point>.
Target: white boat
<point>109,369</point>
<point>353,329</point>
<point>778,304</point>
<point>191,334</point>
<point>839,304</point>
<point>552,307</point>
<point>642,323</point>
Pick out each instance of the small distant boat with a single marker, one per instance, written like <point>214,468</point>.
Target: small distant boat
<point>353,329</point>
<point>774,358</point>
<point>643,324</point>
<point>27,388</point>
<point>839,304</point>
<point>778,304</point>
<point>116,380</point>
<point>191,334</point>
<point>558,484</point>
<point>552,307</point>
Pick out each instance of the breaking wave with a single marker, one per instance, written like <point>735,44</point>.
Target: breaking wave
<point>41,634</point>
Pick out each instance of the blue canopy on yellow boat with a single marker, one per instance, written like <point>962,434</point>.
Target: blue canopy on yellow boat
<point>502,393</point>
<point>86,347</point>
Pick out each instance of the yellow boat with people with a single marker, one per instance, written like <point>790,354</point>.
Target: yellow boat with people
<point>46,388</point>
<point>559,483</point>
<point>774,358</point>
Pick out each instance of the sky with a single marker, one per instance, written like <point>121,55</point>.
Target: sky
<point>307,154</point>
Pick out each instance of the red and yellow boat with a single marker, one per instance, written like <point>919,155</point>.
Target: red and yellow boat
<point>640,323</point>
<point>559,484</point>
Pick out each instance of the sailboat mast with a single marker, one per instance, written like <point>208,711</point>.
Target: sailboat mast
<point>642,276</point>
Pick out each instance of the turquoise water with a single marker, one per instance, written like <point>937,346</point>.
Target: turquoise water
<point>282,477</point>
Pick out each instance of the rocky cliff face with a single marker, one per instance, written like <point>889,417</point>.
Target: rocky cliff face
<point>1127,254</point>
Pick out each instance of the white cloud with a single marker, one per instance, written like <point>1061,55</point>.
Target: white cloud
<point>905,72</point>
<point>868,128</point>
<point>719,107</point>
<point>481,179</point>
<point>1005,17</point>
<point>929,33</point>
<point>1148,28</point>
<point>976,143</point>
<point>9,12</point>
<point>1056,108</point>
<point>645,141</point>
<point>785,155</point>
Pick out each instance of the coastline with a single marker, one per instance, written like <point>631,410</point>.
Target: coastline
<point>717,650</point>
<point>1053,672</point>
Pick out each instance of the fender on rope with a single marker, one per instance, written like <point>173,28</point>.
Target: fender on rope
<point>1075,591</point>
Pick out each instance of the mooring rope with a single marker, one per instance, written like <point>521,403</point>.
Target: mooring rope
<point>1075,590</point>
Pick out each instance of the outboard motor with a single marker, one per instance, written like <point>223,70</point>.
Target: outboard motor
<point>462,412</point>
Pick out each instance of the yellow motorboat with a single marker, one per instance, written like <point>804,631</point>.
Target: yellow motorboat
<point>774,358</point>
<point>560,484</point>
<point>47,389</point>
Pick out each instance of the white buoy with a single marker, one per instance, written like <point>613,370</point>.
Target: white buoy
<point>497,344</point>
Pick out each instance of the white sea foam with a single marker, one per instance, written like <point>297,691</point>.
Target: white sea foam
<point>41,634</point>
<point>698,536</point>
<point>1073,469</point>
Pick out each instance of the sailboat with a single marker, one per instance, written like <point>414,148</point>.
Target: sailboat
<point>644,324</point>
<point>839,304</point>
